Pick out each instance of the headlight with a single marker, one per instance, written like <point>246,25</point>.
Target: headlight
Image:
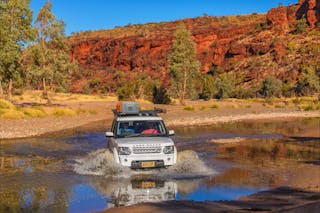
<point>124,151</point>
<point>168,149</point>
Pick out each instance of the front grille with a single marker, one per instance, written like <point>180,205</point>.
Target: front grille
<point>142,149</point>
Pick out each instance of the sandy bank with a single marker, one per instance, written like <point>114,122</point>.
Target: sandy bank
<point>175,116</point>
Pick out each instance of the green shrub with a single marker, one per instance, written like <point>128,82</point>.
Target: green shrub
<point>208,87</point>
<point>125,92</point>
<point>203,108</point>
<point>271,87</point>
<point>301,25</point>
<point>278,106</point>
<point>12,114</point>
<point>160,95</point>
<point>309,84</point>
<point>59,112</point>
<point>34,112</point>
<point>308,108</point>
<point>85,111</point>
<point>6,104</point>
<point>95,82</point>
<point>189,108</point>
<point>214,106</point>
<point>225,85</point>
<point>296,101</point>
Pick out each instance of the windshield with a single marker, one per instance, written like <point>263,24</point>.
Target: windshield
<point>140,128</point>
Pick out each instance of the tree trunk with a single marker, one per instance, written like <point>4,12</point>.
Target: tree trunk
<point>10,89</point>
<point>44,86</point>
<point>184,89</point>
<point>1,90</point>
<point>45,94</point>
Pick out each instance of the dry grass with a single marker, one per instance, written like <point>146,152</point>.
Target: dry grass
<point>189,108</point>
<point>35,96</point>
<point>34,112</point>
<point>59,112</point>
<point>12,114</point>
<point>6,104</point>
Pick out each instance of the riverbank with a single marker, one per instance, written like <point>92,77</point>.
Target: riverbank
<point>195,113</point>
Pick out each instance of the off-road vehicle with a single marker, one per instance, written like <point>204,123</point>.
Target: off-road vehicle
<point>139,138</point>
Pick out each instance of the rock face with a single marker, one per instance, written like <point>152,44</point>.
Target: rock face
<point>283,16</point>
<point>226,42</point>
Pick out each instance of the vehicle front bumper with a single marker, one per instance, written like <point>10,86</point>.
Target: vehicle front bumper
<point>135,160</point>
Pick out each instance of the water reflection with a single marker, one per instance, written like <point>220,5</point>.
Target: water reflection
<point>147,190</point>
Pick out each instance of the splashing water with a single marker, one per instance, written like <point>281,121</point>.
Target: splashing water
<point>188,163</point>
<point>101,163</point>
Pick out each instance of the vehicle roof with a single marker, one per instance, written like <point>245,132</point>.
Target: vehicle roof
<point>139,118</point>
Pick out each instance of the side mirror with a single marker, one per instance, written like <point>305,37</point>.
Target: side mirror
<point>109,134</point>
<point>171,132</point>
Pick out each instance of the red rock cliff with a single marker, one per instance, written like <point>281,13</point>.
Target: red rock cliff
<point>226,42</point>
<point>283,16</point>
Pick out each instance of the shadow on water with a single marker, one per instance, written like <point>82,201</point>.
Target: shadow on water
<point>74,174</point>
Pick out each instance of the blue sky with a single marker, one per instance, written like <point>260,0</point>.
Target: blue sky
<point>82,15</point>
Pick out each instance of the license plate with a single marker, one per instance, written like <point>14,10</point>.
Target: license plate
<point>148,164</point>
<point>148,184</point>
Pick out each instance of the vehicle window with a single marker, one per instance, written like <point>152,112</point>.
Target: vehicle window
<point>140,128</point>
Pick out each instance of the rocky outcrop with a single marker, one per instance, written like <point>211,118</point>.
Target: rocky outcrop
<point>225,42</point>
<point>283,16</point>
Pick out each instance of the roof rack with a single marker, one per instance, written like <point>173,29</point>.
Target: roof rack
<point>153,112</point>
<point>125,108</point>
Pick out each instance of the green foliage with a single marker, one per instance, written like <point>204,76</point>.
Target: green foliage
<point>34,112</point>
<point>271,87</point>
<point>160,95</point>
<point>137,86</point>
<point>309,83</point>
<point>214,106</point>
<point>184,67</point>
<point>59,112</point>
<point>86,90</point>
<point>246,91</point>
<point>48,60</point>
<point>12,114</point>
<point>125,92</point>
<point>225,85</point>
<point>6,104</point>
<point>189,108</point>
<point>308,108</point>
<point>288,89</point>
<point>301,25</point>
<point>15,32</point>
<point>95,82</point>
<point>208,87</point>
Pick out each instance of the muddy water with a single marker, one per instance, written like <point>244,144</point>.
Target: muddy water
<point>77,174</point>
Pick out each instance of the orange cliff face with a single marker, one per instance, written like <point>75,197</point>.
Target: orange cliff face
<point>285,15</point>
<point>225,42</point>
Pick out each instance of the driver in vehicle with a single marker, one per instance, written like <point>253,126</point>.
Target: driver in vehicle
<point>151,129</point>
<point>126,129</point>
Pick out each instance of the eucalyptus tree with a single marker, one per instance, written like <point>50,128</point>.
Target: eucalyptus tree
<point>49,59</point>
<point>184,67</point>
<point>15,32</point>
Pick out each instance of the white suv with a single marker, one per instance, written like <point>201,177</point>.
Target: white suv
<point>139,138</point>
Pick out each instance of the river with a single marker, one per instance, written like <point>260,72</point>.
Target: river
<point>74,174</point>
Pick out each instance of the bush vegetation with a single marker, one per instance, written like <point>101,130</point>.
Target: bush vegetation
<point>59,112</point>
<point>189,108</point>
